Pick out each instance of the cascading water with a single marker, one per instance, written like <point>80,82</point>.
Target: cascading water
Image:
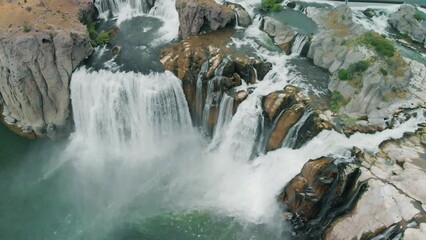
<point>290,140</point>
<point>299,42</point>
<point>121,110</point>
<point>199,93</point>
<point>226,110</point>
<point>106,7</point>
<point>211,95</point>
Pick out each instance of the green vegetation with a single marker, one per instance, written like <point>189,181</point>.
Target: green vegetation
<point>360,66</point>
<point>354,68</point>
<point>381,45</point>
<point>26,27</point>
<point>271,5</point>
<point>419,16</point>
<point>101,38</point>
<point>338,101</point>
<point>344,74</point>
<point>383,71</point>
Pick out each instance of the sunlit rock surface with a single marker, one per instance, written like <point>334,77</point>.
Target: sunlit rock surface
<point>36,63</point>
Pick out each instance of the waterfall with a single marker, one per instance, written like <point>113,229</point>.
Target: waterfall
<point>226,110</point>
<point>106,7</point>
<point>122,110</point>
<point>290,140</point>
<point>199,93</point>
<point>211,98</point>
<point>243,137</point>
<point>298,44</point>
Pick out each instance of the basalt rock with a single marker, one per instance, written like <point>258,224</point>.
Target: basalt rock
<point>284,110</point>
<point>206,59</point>
<point>197,16</point>
<point>36,67</point>
<point>318,193</point>
<point>378,194</point>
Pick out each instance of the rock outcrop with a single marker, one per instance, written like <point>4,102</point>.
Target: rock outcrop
<point>405,22</point>
<point>384,84</point>
<point>377,194</point>
<point>197,16</point>
<point>36,63</point>
<point>291,118</point>
<point>243,17</point>
<point>206,60</point>
<point>282,34</point>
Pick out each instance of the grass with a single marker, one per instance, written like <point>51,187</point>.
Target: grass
<point>26,27</point>
<point>419,16</point>
<point>379,43</point>
<point>338,101</point>
<point>271,5</point>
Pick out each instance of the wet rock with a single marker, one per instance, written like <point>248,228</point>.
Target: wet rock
<point>319,187</point>
<point>196,16</point>
<point>244,19</point>
<point>282,34</point>
<point>284,109</point>
<point>404,21</point>
<point>369,12</point>
<point>224,67</point>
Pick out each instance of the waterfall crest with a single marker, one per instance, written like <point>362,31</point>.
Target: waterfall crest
<point>123,110</point>
<point>298,44</point>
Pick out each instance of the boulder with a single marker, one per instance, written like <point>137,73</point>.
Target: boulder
<point>404,21</point>
<point>282,34</point>
<point>197,16</point>
<point>243,17</point>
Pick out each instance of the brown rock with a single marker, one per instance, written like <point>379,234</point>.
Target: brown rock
<point>196,16</point>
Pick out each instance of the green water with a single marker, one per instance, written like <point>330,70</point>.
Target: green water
<point>45,195</point>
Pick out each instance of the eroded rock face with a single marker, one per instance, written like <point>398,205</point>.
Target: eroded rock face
<point>35,71</point>
<point>403,20</point>
<point>196,16</point>
<point>380,193</point>
<point>287,109</point>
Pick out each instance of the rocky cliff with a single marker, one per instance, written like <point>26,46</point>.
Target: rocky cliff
<point>39,50</point>
<point>377,195</point>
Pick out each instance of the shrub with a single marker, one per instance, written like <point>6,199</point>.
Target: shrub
<point>419,16</point>
<point>26,27</point>
<point>360,66</point>
<point>383,71</point>
<point>382,46</point>
<point>344,74</point>
<point>103,38</point>
<point>271,5</point>
<point>337,101</point>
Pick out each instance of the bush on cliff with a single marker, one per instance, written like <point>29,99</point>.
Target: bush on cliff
<point>338,101</point>
<point>419,16</point>
<point>271,5</point>
<point>381,45</point>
